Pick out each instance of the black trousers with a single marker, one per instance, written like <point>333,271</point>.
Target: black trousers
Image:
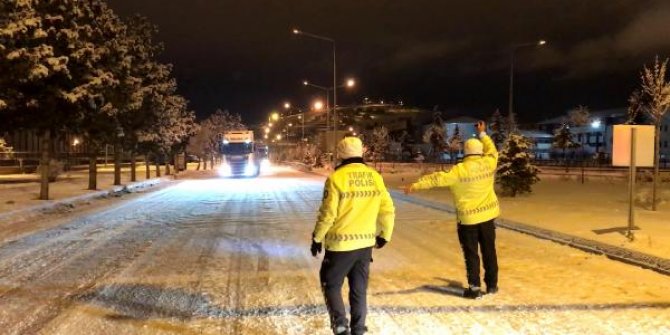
<point>355,266</point>
<point>472,238</point>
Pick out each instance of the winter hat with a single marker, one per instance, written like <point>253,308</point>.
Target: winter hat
<point>473,146</point>
<point>350,147</point>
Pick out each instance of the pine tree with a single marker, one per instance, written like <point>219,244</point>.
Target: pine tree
<point>498,132</point>
<point>455,143</point>
<point>516,173</point>
<point>564,139</point>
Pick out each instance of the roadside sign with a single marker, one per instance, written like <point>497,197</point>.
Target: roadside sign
<point>644,145</point>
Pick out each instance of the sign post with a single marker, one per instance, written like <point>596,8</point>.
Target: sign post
<point>631,185</point>
<point>633,147</point>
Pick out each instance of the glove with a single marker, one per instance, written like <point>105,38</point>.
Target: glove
<point>380,242</point>
<point>316,248</point>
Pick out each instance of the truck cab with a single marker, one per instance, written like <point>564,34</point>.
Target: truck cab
<point>239,155</point>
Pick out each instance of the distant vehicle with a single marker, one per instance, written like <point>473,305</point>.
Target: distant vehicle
<point>239,154</point>
<point>263,155</point>
<point>192,159</point>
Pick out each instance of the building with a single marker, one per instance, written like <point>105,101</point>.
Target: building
<point>595,136</point>
<point>542,143</point>
<point>665,138</point>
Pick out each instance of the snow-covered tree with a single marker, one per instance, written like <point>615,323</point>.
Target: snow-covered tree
<point>516,173</point>
<point>49,60</point>
<point>435,136</point>
<point>579,117</point>
<point>564,139</point>
<point>498,131</point>
<point>654,100</point>
<point>378,143</point>
<point>206,142</point>
<point>455,143</point>
<point>637,103</point>
<point>511,125</point>
<point>199,143</point>
<point>5,150</point>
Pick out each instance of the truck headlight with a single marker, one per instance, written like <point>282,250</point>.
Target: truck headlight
<point>250,169</point>
<point>225,170</point>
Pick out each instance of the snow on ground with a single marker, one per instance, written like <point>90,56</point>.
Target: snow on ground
<point>590,210</point>
<point>19,191</point>
<point>230,256</point>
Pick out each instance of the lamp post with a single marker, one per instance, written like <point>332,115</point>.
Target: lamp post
<point>301,117</point>
<point>332,41</point>
<point>513,49</point>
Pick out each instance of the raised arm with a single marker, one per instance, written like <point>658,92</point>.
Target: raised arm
<point>490,151</point>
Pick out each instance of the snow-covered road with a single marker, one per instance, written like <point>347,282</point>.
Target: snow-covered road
<point>220,256</point>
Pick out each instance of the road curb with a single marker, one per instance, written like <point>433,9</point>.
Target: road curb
<point>51,205</point>
<point>658,264</point>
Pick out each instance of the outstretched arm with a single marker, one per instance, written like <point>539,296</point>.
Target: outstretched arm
<point>490,151</point>
<point>436,179</point>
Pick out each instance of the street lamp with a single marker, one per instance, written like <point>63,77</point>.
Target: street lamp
<point>349,83</point>
<point>513,49</point>
<point>287,105</point>
<point>318,105</point>
<point>275,116</point>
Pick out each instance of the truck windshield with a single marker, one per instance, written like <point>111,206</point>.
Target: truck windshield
<point>236,148</point>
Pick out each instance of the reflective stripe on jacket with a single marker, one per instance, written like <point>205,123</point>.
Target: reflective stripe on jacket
<point>356,208</point>
<point>472,184</point>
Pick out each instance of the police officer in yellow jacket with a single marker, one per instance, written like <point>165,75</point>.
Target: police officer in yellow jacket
<point>472,185</point>
<point>356,215</point>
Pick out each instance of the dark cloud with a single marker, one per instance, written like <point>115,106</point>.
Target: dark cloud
<point>240,55</point>
<point>621,50</point>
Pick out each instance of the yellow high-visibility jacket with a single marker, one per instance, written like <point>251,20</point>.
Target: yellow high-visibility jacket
<point>471,183</point>
<point>356,208</point>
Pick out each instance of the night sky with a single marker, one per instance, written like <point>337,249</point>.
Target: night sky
<point>451,55</point>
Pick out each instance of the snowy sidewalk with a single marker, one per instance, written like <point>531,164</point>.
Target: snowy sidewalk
<point>596,210</point>
<point>19,193</point>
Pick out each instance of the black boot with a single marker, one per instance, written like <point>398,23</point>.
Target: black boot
<point>341,330</point>
<point>359,332</point>
<point>472,292</point>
